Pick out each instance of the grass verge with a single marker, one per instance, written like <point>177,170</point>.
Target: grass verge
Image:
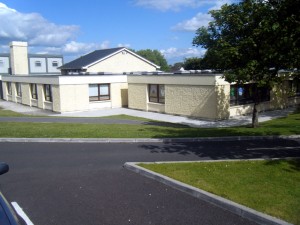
<point>284,126</point>
<point>271,187</point>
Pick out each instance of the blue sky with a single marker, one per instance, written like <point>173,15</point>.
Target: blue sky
<point>74,28</point>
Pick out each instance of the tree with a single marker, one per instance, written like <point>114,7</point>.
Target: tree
<point>176,66</point>
<point>193,63</point>
<point>155,57</point>
<point>251,41</point>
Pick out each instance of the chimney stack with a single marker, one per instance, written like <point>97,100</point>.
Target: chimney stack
<point>19,58</point>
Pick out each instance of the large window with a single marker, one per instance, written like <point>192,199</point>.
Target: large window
<point>99,92</point>
<point>9,90</point>
<point>156,93</point>
<point>245,94</point>
<point>19,89</point>
<point>33,89</point>
<point>48,92</point>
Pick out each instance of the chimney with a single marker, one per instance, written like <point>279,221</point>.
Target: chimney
<point>19,58</point>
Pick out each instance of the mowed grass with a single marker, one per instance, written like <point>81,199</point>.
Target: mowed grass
<point>271,187</point>
<point>283,126</point>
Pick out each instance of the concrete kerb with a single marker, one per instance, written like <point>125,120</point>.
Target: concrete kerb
<point>226,204</point>
<point>146,140</point>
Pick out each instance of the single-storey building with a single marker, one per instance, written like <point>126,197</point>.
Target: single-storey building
<point>67,93</point>
<point>203,95</point>
<point>87,82</point>
<point>197,94</point>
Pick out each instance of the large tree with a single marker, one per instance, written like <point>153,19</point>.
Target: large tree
<point>193,63</point>
<point>156,57</point>
<point>251,41</point>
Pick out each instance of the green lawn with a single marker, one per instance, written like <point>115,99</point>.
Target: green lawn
<point>271,187</point>
<point>283,126</point>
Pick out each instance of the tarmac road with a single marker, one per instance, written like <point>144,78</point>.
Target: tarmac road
<point>86,184</point>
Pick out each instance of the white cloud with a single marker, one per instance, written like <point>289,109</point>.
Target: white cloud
<point>105,44</point>
<point>124,45</point>
<point>193,24</point>
<point>74,47</point>
<point>175,54</point>
<point>174,5</point>
<point>32,27</point>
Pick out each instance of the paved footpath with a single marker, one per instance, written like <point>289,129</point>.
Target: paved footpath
<point>234,121</point>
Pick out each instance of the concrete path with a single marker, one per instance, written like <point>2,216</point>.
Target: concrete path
<point>234,121</point>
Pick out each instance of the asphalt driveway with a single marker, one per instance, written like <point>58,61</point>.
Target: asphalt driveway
<point>63,183</point>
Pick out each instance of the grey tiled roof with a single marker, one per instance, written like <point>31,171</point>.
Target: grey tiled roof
<point>90,58</point>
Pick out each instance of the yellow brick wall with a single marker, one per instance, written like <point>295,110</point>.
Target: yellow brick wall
<point>193,101</point>
<point>137,96</point>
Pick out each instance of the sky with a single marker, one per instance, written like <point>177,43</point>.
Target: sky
<point>75,28</point>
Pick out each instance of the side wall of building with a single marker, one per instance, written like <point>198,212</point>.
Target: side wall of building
<point>68,93</point>
<point>137,96</point>
<point>192,96</point>
<point>191,100</point>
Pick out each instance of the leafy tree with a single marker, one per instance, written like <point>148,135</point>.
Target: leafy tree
<point>251,41</point>
<point>155,57</point>
<point>193,63</point>
<point>176,66</point>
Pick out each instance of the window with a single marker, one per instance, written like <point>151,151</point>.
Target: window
<point>294,87</point>
<point>244,94</point>
<point>47,92</point>
<point>9,90</point>
<point>99,92</point>
<point>1,63</point>
<point>19,89</point>
<point>33,89</point>
<point>55,64</point>
<point>156,93</point>
<point>38,64</point>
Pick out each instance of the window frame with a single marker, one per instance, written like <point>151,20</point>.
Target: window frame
<point>33,90</point>
<point>38,63</point>
<point>294,87</point>
<point>9,88</point>
<point>18,89</point>
<point>48,92</point>
<point>157,97</point>
<point>243,94</point>
<point>55,64</point>
<point>99,97</point>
